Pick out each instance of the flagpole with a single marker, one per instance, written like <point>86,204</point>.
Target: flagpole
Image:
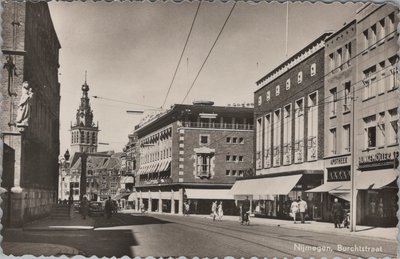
<point>287,28</point>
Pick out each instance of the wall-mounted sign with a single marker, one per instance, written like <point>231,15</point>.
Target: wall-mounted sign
<point>339,161</point>
<point>339,174</point>
<point>379,161</point>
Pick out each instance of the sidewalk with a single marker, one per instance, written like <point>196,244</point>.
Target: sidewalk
<point>46,249</point>
<point>315,226</point>
<point>321,227</point>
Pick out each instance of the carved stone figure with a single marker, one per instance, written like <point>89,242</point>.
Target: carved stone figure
<point>24,106</point>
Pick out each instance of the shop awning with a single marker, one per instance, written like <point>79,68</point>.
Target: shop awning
<point>280,185</point>
<point>209,194</point>
<point>326,187</point>
<point>127,179</point>
<point>120,196</point>
<point>375,179</point>
<point>343,195</point>
<point>132,196</point>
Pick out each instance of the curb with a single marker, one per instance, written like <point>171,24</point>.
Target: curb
<point>58,228</point>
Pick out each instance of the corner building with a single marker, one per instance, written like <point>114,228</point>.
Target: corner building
<point>289,139</point>
<point>192,153</point>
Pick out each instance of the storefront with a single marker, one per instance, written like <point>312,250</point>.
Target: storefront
<point>272,194</point>
<point>377,189</point>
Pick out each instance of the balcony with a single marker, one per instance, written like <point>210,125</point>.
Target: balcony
<point>212,125</point>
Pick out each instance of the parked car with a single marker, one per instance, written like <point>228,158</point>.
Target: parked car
<point>96,208</point>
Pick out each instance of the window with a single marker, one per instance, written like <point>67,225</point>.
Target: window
<point>288,84</point>
<point>267,141</point>
<point>234,140</point>
<point>332,141</point>
<point>277,90</point>
<point>369,82</point>
<point>347,97</point>
<point>287,134</point>
<point>204,164</point>
<point>299,131</point>
<point>347,56</point>
<point>339,59</point>
<point>313,69</point>
<point>373,35</point>
<point>268,97</point>
<point>234,158</point>
<point>204,139</point>
<point>228,158</point>
<point>228,172</point>
<point>240,158</point>
<point>381,30</point>
<point>277,137</point>
<point>228,140</point>
<point>241,172</point>
<point>241,141</point>
<point>391,28</point>
<point>82,137</point>
<point>366,39</point>
<point>380,138</point>
<point>259,143</point>
<point>370,131</point>
<point>346,138</point>
<point>312,126</point>
<point>233,172</point>
<point>300,77</point>
<point>331,62</point>
<point>259,100</point>
<point>393,127</point>
<point>382,78</point>
<point>333,102</point>
<point>393,77</point>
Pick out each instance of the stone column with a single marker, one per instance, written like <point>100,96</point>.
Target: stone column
<point>172,202</point>
<point>180,202</point>
<point>159,202</point>
<point>150,209</point>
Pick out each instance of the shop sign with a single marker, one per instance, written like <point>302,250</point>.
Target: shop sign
<point>339,174</point>
<point>379,160</point>
<point>339,161</point>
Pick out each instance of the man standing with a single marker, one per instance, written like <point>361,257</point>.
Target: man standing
<point>302,208</point>
<point>337,212</point>
<point>108,208</point>
<point>245,208</point>
<point>214,209</point>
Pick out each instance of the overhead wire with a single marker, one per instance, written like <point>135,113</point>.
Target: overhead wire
<point>183,51</point>
<point>209,52</point>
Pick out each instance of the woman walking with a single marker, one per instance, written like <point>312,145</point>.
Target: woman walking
<point>294,209</point>
<point>220,211</point>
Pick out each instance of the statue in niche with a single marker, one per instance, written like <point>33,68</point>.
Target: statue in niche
<point>24,106</point>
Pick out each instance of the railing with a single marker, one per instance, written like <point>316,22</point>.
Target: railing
<point>213,125</point>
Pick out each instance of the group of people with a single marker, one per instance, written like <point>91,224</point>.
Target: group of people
<point>298,207</point>
<point>217,211</point>
<point>340,216</point>
<point>109,208</point>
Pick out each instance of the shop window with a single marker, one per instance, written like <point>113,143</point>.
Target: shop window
<point>313,69</point>
<point>288,84</point>
<point>339,174</point>
<point>300,77</point>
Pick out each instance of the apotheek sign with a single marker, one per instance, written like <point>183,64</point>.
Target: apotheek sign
<point>379,160</point>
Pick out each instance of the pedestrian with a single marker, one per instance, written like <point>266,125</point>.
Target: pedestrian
<point>245,210</point>
<point>220,211</point>
<point>186,208</point>
<point>302,208</point>
<point>294,209</point>
<point>337,212</point>
<point>214,210</point>
<point>84,207</point>
<point>108,208</point>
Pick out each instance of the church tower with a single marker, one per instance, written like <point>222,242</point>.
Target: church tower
<point>84,131</point>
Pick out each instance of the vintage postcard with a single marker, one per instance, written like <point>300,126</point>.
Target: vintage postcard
<point>199,129</point>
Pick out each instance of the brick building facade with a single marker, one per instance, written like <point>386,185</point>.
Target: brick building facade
<point>30,53</point>
<point>289,134</point>
<point>192,153</point>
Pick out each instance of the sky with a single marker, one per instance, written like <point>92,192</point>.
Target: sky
<point>131,49</point>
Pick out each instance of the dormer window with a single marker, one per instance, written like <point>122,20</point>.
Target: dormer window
<point>313,69</point>
<point>268,96</point>
<point>277,90</point>
<point>288,84</point>
<point>300,77</point>
<point>259,100</point>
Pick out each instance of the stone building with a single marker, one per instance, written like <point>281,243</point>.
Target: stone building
<point>289,134</point>
<point>30,54</point>
<point>192,153</point>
